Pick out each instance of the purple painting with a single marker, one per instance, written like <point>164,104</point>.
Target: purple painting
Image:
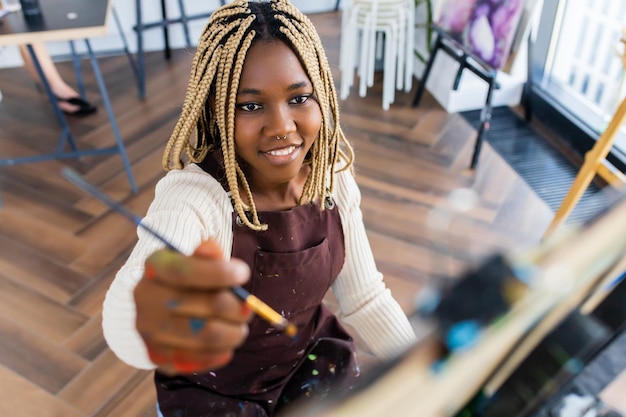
<point>486,27</point>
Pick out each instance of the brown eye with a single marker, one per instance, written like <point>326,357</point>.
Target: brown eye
<point>249,107</point>
<point>301,99</point>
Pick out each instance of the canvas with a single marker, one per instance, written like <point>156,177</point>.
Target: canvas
<point>485,27</point>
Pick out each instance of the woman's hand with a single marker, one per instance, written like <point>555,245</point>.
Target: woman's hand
<point>187,316</point>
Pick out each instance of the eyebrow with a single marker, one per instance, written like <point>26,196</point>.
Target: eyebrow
<point>292,87</point>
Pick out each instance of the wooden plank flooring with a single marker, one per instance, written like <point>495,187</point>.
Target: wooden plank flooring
<point>60,249</point>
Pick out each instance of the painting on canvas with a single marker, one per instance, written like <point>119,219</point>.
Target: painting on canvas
<point>485,27</point>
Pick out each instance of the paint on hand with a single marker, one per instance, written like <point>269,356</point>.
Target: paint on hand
<point>149,272</point>
<point>196,325</point>
<point>169,260</point>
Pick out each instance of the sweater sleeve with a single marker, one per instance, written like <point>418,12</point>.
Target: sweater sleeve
<point>365,302</point>
<point>189,206</point>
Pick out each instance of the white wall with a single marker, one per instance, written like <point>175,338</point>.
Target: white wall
<point>153,39</point>
<point>470,95</point>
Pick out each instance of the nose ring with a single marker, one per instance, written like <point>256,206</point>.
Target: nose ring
<point>281,137</point>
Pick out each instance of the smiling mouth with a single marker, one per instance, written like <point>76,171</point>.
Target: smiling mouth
<point>282,152</point>
<point>282,156</point>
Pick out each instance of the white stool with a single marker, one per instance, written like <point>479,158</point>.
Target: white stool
<point>368,27</point>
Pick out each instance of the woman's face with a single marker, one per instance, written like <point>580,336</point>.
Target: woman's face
<point>277,117</point>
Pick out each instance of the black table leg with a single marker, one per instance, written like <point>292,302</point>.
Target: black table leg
<point>166,32</point>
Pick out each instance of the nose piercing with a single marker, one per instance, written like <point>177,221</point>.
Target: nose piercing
<point>281,137</point>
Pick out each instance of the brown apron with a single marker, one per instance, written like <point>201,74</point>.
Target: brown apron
<point>293,265</point>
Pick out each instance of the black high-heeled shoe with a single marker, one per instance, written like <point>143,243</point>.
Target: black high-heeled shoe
<point>84,107</point>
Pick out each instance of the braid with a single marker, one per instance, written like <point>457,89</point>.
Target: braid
<point>210,100</point>
<point>233,171</point>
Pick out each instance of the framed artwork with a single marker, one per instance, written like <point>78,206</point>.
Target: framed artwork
<point>484,27</point>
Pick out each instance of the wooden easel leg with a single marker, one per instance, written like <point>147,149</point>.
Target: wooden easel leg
<point>593,159</point>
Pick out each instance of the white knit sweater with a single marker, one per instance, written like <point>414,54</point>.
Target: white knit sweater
<point>191,206</point>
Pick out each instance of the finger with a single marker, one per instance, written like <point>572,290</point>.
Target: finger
<point>219,304</point>
<point>156,303</point>
<point>196,335</point>
<point>209,249</point>
<point>171,361</point>
<point>182,271</point>
<point>162,309</point>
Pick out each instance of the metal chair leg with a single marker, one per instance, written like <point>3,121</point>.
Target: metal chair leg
<point>66,134</point>
<point>141,82</point>
<point>131,60</point>
<point>77,71</point>
<point>185,22</point>
<point>166,31</point>
<point>112,120</point>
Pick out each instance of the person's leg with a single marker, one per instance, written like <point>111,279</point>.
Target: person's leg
<point>58,85</point>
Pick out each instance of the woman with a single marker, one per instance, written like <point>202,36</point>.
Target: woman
<point>264,197</point>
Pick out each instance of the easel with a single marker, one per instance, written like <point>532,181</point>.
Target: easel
<point>593,164</point>
<point>578,268</point>
<point>466,60</point>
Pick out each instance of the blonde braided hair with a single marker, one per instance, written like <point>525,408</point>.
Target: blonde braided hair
<point>209,104</point>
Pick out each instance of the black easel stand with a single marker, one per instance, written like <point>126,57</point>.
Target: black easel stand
<point>466,60</point>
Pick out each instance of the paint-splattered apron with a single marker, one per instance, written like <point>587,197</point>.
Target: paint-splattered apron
<point>293,264</point>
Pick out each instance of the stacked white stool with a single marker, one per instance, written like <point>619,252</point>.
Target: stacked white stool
<point>370,27</point>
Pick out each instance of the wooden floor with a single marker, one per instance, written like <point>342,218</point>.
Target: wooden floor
<point>60,249</point>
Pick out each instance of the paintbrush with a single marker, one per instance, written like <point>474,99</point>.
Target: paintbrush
<point>255,304</point>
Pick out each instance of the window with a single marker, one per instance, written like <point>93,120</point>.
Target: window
<point>581,67</point>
